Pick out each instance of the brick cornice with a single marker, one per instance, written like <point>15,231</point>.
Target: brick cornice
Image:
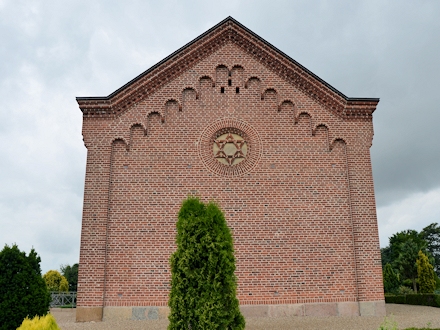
<point>226,31</point>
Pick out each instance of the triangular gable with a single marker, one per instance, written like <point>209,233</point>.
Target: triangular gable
<point>229,30</point>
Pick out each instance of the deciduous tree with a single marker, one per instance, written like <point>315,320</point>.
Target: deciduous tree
<point>385,254</point>
<point>55,281</point>
<point>398,239</point>
<point>71,274</point>
<point>431,234</point>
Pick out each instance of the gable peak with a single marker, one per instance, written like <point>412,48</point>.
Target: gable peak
<point>228,30</point>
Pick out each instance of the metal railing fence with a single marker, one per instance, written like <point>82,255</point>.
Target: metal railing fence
<point>63,299</point>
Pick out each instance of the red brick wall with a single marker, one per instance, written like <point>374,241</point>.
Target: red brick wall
<point>302,213</point>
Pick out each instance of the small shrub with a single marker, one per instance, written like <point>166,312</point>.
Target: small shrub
<point>409,284</point>
<point>402,290</point>
<point>388,324</point>
<point>46,322</point>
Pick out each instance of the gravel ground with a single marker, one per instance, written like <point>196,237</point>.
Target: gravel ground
<point>405,315</point>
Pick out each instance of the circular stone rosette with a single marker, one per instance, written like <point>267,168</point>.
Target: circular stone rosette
<point>230,147</point>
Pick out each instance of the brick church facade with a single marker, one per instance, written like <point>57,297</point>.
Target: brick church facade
<point>230,118</point>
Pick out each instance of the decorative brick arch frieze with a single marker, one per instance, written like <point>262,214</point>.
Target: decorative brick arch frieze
<point>190,88</point>
<point>180,100</point>
<point>120,139</point>
<point>207,77</point>
<point>302,112</point>
<point>237,66</point>
<point>218,76</point>
<point>246,85</point>
<point>132,128</point>
<point>313,127</point>
<point>126,135</point>
<point>237,75</point>
<point>156,112</point>
<point>292,104</point>
<point>337,140</point>
<point>269,89</point>
<point>222,65</point>
<point>140,124</point>
<point>170,101</point>
<point>317,126</point>
<point>233,126</point>
<point>287,101</point>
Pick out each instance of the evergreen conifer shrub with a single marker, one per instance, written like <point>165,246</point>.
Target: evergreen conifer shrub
<point>46,322</point>
<point>426,274</point>
<point>203,284</point>
<point>390,279</point>
<point>23,292</point>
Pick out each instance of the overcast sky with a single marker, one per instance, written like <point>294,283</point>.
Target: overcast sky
<point>52,51</point>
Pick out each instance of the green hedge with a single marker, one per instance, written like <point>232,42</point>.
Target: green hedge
<point>423,299</point>
<point>389,299</point>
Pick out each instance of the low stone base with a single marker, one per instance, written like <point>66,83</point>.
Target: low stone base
<point>347,309</point>
<point>365,308</point>
<point>372,308</point>
<point>88,314</point>
<point>135,313</point>
<point>315,309</point>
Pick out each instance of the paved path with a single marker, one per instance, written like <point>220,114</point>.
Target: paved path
<point>405,315</point>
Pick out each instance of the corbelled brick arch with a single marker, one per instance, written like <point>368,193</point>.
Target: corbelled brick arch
<point>231,118</point>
